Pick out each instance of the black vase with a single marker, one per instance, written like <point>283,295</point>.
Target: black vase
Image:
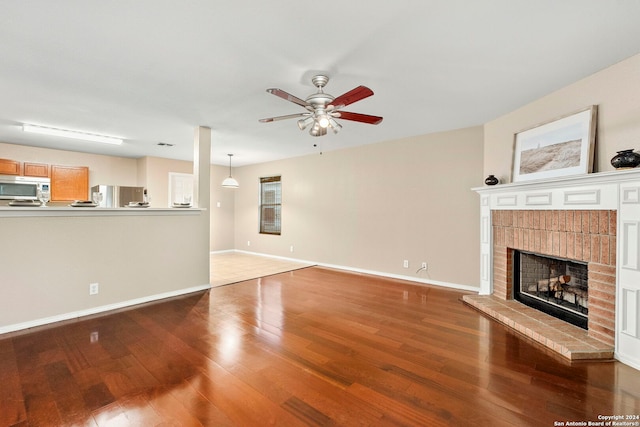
<point>625,159</point>
<point>491,180</point>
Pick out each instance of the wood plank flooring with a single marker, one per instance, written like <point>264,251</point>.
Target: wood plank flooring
<point>309,347</point>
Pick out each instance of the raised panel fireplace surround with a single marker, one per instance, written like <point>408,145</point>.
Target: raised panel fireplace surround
<point>591,220</point>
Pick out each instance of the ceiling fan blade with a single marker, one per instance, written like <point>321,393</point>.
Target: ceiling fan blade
<point>357,117</point>
<point>288,116</point>
<point>287,96</point>
<point>352,96</point>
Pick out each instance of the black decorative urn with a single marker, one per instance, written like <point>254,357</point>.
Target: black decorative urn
<point>625,159</point>
<point>491,180</point>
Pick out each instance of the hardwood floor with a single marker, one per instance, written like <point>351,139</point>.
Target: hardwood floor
<point>308,347</point>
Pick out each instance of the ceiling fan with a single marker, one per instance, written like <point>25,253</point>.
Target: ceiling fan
<point>323,109</point>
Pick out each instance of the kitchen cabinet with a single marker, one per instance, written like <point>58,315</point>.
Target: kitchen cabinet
<point>10,167</point>
<point>36,169</point>
<point>69,183</point>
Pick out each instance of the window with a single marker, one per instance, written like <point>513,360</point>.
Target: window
<point>270,205</point>
<point>180,188</point>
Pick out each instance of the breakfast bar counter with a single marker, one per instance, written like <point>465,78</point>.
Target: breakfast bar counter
<point>62,211</point>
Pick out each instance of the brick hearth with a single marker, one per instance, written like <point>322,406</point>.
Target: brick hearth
<point>568,340</point>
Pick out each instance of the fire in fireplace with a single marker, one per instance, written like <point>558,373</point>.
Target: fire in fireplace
<point>556,286</point>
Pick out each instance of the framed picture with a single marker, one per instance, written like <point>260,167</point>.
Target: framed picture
<point>561,147</point>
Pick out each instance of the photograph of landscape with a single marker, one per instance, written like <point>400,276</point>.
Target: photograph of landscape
<point>551,157</point>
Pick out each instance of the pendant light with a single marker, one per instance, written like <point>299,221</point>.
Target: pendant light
<point>230,182</point>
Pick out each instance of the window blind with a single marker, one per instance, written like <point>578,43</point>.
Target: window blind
<point>270,205</point>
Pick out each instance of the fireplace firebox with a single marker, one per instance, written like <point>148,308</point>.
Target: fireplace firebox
<point>555,286</point>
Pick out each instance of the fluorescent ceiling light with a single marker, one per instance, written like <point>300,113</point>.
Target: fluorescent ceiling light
<point>72,134</point>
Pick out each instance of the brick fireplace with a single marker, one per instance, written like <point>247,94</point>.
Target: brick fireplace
<point>592,220</point>
<point>588,236</point>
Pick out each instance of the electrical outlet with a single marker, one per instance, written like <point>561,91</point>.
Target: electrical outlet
<point>94,288</point>
<point>291,248</point>
<point>424,265</point>
<point>405,263</point>
<point>248,242</point>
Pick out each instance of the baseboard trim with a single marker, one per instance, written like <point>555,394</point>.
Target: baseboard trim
<point>282,258</point>
<point>224,251</point>
<point>633,362</point>
<point>417,280</point>
<point>101,309</point>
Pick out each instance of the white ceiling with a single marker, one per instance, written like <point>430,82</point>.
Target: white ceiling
<point>153,70</point>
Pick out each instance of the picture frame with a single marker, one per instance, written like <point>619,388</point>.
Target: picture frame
<point>561,147</point>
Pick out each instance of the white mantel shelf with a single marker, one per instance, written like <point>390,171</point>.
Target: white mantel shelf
<point>617,190</point>
<point>617,177</point>
<point>54,211</point>
<point>588,191</point>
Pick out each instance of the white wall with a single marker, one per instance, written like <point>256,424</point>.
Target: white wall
<point>616,92</point>
<point>156,177</point>
<point>48,262</point>
<point>373,206</point>
<point>222,212</point>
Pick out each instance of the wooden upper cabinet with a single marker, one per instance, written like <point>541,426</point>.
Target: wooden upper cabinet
<point>69,183</point>
<point>36,169</point>
<point>10,167</point>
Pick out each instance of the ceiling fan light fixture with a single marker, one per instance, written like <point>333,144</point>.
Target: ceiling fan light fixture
<point>230,182</point>
<point>303,123</point>
<point>322,120</point>
<point>317,130</point>
<point>335,126</point>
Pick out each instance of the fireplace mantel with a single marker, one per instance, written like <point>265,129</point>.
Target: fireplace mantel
<point>616,190</point>
<point>590,191</point>
<point>567,181</point>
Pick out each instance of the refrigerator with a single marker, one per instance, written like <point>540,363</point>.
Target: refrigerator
<point>118,196</point>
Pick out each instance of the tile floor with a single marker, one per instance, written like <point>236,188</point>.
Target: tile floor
<point>570,341</point>
<point>233,267</point>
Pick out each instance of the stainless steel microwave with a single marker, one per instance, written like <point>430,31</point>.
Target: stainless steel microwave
<point>22,187</point>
